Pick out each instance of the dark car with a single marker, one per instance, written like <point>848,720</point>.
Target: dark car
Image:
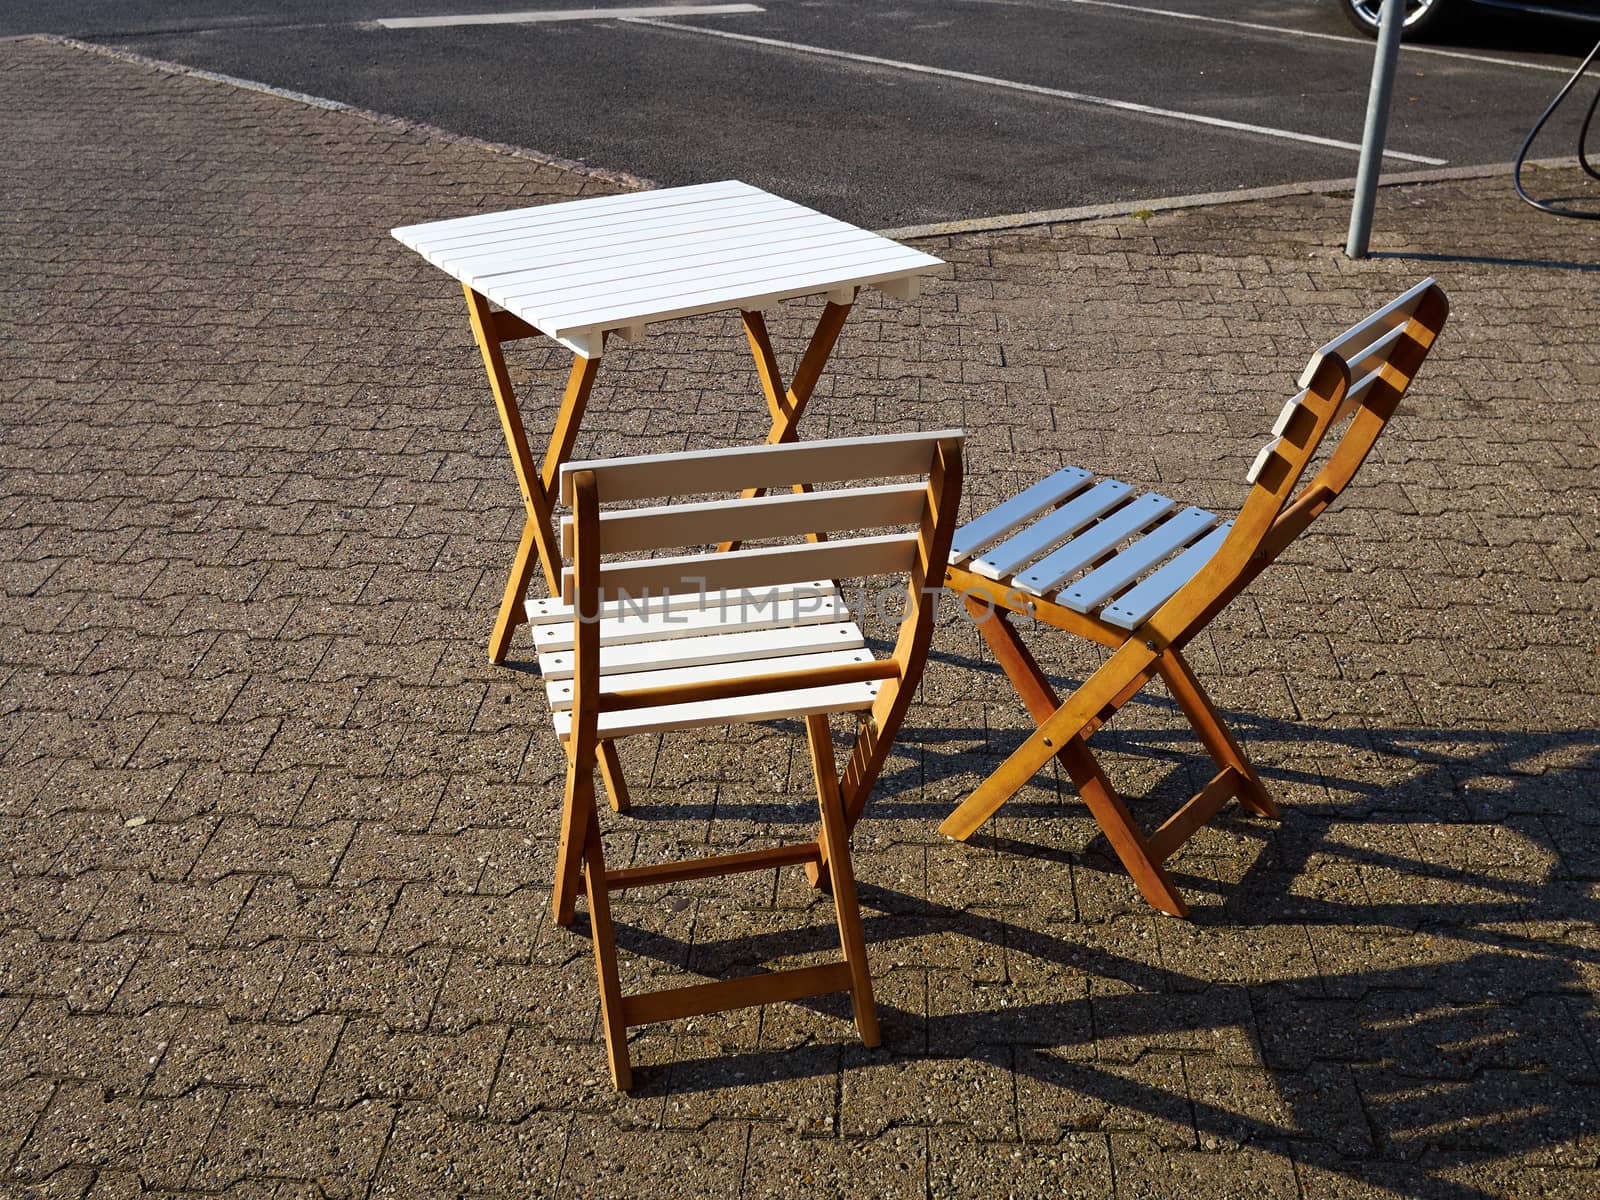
<point>1429,16</point>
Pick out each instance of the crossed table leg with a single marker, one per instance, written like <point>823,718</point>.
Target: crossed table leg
<point>539,546</point>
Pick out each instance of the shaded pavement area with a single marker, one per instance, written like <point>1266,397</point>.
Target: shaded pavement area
<point>275,840</point>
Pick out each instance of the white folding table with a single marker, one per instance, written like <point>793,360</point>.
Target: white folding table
<point>581,271</point>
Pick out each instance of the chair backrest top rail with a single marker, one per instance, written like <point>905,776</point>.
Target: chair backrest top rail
<point>653,476</point>
<point>1354,342</point>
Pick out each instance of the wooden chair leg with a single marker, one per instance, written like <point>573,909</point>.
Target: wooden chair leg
<point>1219,742</point>
<point>1124,834</point>
<point>612,1019</point>
<point>835,842</point>
<point>1107,808</point>
<point>1031,685</point>
<point>611,775</point>
<point>577,806</point>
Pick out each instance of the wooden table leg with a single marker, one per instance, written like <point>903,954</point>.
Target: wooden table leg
<point>489,329</point>
<point>787,404</point>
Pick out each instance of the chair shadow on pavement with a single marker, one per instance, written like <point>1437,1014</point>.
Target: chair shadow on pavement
<point>1483,260</point>
<point>1445,1028</point>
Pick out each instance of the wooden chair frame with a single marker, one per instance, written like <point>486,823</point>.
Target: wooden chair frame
<point>1272,516</point>
<point>841,795</point>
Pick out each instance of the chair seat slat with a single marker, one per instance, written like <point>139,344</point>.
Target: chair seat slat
<point>804,702</point>
<point>697,622</point>
<point>1022,548</point>
<point>549,610</point>
<point>559,691</point>
<point>977,534</point>
<point>1160,543</point>
<point>714,648</point>
<point>1134,607</point>
<point>1082,550</point>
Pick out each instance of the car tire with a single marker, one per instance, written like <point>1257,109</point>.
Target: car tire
<point>1423,17</point>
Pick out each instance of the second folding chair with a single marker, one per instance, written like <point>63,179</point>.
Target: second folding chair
<point>1142,575</point>
<point>642,643</point>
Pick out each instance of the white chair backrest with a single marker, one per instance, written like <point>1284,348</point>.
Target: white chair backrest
<point>694,525</point>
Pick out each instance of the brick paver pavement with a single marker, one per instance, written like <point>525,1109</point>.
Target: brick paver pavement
<point>276,838</point>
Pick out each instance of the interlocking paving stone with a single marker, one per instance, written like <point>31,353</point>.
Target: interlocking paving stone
<point>276,841</point>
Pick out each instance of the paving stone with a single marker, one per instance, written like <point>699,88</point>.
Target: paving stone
<point>1059,1094</point>
<point>83,1127</point>
<point>120,1053</point>
<point>780,1162</point>
<point>337,1150</point>
<point>374,1062</point>
<point>618,1164</point>
<point>969,1092</point>
<point>241,983</point>
<point>317,978</point>
<point>430,1154</point>
<point>1077,1165</point>
<point>20,1107</point>
<point>1146,1169</point>
<point>87,975</point>
<point>348,919</point>
<point>283,1060</point>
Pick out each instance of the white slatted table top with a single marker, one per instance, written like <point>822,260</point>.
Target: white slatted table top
<point>616,263</point>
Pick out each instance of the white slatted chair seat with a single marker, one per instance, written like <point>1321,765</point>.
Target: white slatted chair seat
<point>697,639</point>
<point>1095,546</point>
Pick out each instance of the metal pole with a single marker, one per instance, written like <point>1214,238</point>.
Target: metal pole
<point>1378,98</point>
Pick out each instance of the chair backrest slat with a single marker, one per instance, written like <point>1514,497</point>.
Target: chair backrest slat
<point>752,570</point>
<point>754,518</point>
<point>838,460</point>
<point>1357,342</point>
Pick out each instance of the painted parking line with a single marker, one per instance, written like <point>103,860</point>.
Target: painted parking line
<point>1036,90</point>
<point>566,14</point>
<point>1288,31</point>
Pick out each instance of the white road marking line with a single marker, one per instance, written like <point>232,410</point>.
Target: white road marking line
<point>566,14</point>
<point>1408,47</point>
<point>1036,90</point>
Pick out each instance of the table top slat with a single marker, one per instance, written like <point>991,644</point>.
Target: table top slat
<point>618,227</point>
<point>663,233</point>
<point>754,289</point>
<point>701,255</point>
<point>650,277</point>
<point>537,215</point>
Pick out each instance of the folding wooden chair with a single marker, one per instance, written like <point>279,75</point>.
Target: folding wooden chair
<point>715,636</point>
<point>1142,575</point>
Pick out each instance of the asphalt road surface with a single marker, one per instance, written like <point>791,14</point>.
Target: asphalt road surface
<point>888,114</point>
